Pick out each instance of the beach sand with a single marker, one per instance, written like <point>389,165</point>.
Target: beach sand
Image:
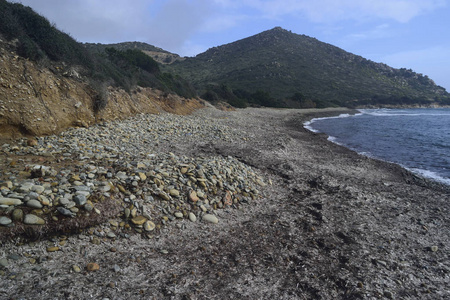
<point>332,225</point>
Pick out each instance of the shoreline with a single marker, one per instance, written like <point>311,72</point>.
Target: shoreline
<point>333,225</point>
<point>423,173</point>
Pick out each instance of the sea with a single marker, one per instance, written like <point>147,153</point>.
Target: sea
<point>418,139</point>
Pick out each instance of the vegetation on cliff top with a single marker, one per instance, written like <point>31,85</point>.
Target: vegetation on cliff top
<point>39,40</point>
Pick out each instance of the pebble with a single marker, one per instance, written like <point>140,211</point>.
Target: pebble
<point>192,217</point>
<point>17,214</point>
<point>139,220</point>
<point>10,201</point>
<point>210,218</point>
<point>91,267</point>
<point>52,249</point>
<point>31,219</point>
<point>80,200</point>
<point>149,226</point>
<point>5,220</point>
<point>34,204</point>
<point>4,262</point>
<point>76,269</point>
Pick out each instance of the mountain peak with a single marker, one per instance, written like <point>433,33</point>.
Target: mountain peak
<point>287,65</point>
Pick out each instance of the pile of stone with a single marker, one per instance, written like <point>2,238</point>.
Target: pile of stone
<point>117,161</point>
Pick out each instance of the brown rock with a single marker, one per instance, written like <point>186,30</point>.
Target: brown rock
<point>32,142</point>
<point>193,196</point>
<point>91,267</point>
<point>227,199</point>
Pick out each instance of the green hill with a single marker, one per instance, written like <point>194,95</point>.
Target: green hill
<point>280,68</point>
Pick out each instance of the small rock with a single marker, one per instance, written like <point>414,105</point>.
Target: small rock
<point>52,249</point>
<point>17,214</point>
<point>34,204</point>
<point>192,217</point>
<point>111,235</point>
<point>33,220</point>
<point>227,199</point>
<point>149,226</point>
<point>174,193</point>
<point>91,267</point>
<point>64,211</point>
<point>80,199</point>
<point>38,189</point>
<point>193,196</point>
<point>210,218</point>
<point>76,269</point>
<point>178,215</point>
<point>32,142</point>
<point>4,262</point>
<point>434,248</point>
<point>116,268</point>
<point>10,201</point>
<point>139,220</point>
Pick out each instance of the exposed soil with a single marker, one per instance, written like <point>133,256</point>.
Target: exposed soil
<point>333,225</point>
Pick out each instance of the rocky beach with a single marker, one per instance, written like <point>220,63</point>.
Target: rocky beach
<point>245,204</point>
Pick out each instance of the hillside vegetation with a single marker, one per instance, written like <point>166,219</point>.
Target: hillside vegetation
<point>280,68</point>
<point>37,39</point>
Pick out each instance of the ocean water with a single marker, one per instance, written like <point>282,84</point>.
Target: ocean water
<point>417,139</point>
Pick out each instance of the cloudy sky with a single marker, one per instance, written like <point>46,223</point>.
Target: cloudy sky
<point>412,34</point>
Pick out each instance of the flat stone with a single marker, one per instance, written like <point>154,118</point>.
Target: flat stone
<point>10,201</point>
<point>52,249</point>
<point>5,221</point>
<point>33,220</point>
<point>178,214</point>
<point>210,218</point>
<point>34,204</point>
<point>38,189</point>
<point>139,220</point>
<point>26,187</point>
<point>142,176</point>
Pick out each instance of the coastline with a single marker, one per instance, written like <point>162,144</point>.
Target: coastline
<point>333,225</point>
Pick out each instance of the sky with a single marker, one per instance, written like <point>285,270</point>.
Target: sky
<point>412,34</point>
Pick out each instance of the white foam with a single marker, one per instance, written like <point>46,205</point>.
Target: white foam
<point>308,125</point>
<point>430,174</point>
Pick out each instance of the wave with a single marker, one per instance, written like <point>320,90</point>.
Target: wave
<point>308,124</point>
<point>397,112</point>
